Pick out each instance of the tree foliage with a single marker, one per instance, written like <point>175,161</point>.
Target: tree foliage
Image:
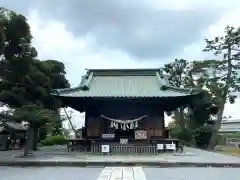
<point>26,82</point>
<point>219,76</point>
<point>24,78</point>
<point>224,81</point>
<point>188,74</point>
<point>190,120</point>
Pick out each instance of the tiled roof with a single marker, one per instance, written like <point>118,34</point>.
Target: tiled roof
<point>12,125</point>
<point>124,83</point>
<point>15,125</point>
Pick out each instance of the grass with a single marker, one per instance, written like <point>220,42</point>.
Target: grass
<point>228,150</point>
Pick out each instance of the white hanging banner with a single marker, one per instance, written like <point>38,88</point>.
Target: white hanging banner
<point>124,124</point>
<point>124,121</point>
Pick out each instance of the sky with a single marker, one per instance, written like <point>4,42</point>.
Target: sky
<point>125,34</point>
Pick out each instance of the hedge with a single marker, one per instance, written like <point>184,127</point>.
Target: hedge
<point>53,140</point>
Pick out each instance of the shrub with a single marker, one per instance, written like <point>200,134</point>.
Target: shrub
<point>183,134</point>
<point>202,136</point>
<point>53,140</point>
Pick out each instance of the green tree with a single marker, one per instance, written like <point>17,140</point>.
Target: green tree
<point>202,135</point>
<point>26,82</point>
<point>177,72</point>
<point>36,116</point>
<point>56,73</point>
<point>189,74</point>
<point>223,82</point>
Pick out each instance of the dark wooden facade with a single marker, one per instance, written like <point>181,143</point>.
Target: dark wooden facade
<point>108,96</point>
<point>153,123</point>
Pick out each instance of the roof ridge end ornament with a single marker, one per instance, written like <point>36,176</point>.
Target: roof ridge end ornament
<point>86,79</point>
<point>191,90</point>
<point>163,84</point>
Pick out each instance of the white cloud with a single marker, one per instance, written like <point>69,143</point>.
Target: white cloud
<point>53,41</point>
<point>191,5</point>
<point>230,19</point>
<point>194,51</point>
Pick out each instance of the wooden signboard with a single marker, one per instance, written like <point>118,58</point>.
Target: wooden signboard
<point>140,134</point>
<point>108,136</point>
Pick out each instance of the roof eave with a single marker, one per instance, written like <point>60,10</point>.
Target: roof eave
<point>127,97</point>
<point>190,91</point>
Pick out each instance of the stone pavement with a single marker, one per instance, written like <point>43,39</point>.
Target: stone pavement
<point>191,157</point>
<point>118,173</point>
<point>192,164</point>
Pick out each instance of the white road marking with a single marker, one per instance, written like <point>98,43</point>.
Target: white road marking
<point>117,173</point>
<point>105,174</point>
<point>138,173</point>
<point>128,173</point>
<point>122,173</point>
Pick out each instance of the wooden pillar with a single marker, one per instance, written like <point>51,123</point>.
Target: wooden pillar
<point>93,127</point>
<point>155,127</point>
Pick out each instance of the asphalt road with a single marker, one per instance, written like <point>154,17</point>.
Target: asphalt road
<point>75,173</point>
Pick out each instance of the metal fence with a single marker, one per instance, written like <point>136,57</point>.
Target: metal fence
<point>126,149</point>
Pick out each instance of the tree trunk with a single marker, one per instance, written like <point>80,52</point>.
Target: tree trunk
<point>26,147</point>
<point>28,144</point>
<point>215,129</point>
<point>34,138</point>
<point>31,143</point>
<point>217,125</point>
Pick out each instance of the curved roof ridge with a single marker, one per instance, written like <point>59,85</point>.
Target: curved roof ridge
<point>124,72</point>
<point>125,83</point>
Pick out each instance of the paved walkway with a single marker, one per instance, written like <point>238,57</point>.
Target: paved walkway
<point>191,156</point>
<point>121,172</point>
<point>118,173</point>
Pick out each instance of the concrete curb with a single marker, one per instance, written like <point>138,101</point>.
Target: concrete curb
<point>18,163</point>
